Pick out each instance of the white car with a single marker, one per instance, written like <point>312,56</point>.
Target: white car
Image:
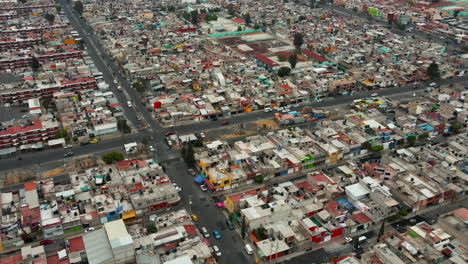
<point>115,81</point>
<point>374,95</point>
<point>216,250</point>
<point>202,135</point>
<point>296,105</point>
<point>151,148</point>
<point>205,232</point>
<point>129,104</point>
<point>89,229</point>
<point>178,189</point>
<point>267,109</point>
<point>433,84</point>
<point>348,239</point>
<point>280,108</point>
<point>203,187</point>
<point>285,110</point>
<point>169,142</point>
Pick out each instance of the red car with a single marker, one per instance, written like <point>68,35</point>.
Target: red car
<point>46,242</point>
<point>170,133</point>
<point>225,122</point>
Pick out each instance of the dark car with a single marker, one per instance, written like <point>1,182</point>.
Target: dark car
<point>46,242</point>
<point>214,119</point>
<point>84,143</point>
<point>225,122</point>
<point>170,133</point>
<point>230,225</point>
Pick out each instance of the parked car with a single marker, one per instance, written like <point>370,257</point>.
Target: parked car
<point>169,133</point>
<point>216,234</point>
<point>84,143</point>
<point>67,146</point>
<point>178,189</point>
<point>225,122</point>
<point>89,229</point>
<point>230,225</point>
<point>433,84</point>
<point>194,217</point>
<point>151,148</point>
<point>68,154</point>
<point>202,135</point>
<point>248,249</point>
<point>192,172</point>
<point>129,104</point>
<point>267,109</point>
<point>205,232</point>
<point>119,88</point>
<point>216,251</point>
<point>46,242</point>
<point>203,187</point>
<point>348,239</point>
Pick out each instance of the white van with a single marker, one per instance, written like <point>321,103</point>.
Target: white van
<point>249,249</point>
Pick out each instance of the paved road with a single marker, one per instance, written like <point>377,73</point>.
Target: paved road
<point>165,153</point>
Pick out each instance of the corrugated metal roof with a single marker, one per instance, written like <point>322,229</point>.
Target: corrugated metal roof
<point>97,246</point>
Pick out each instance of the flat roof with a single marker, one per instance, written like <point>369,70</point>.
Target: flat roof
<point>117,233</point>
<point>98,249</point>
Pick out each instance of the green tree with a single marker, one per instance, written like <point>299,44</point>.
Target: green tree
<point>79,7</point>
<point>23,1</point>
<point>243,225</point>
<point>239,28</point>
<point>123,126</point>
<point>50,18</point>
<point>293,60</point>
<point>92,135</point>
<point>298,41</point>
<point>283,71</point>
<point>376,148</point>
<point>231,10</point>
<point>211,17</point>
<point>111,157</point>
<point>35,64</point>
<point>59,8</point>
<point>259,179</point>
<point>281,57</point>
<point>433,71</point>
<point>139,86</point>
<point>366,145</point>
<point>455,127</point>
<point>194,17</point>
<point>247,19</point>
<point>411,140</point>
<point>423,136</point>
<point>403,212</point>
<point>62,133</point>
